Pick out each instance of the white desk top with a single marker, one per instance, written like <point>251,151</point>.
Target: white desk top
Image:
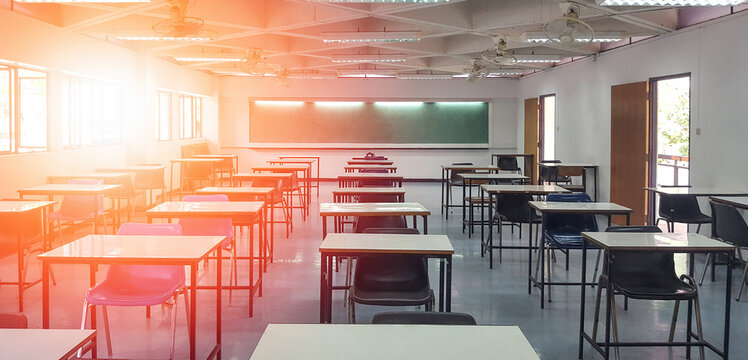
<point>99,175</point>
<point>197,160</point>
<point>288,167</point>
<point>370,162</point>
<point>670,242</point>
<point>67,189</point>
<point>470,167</point>
<point>373,209</point>
<point>286,161</point>
<point>579,207</point>
<point>392,342</point>
<point>370,176</point>
<point>387,244</point>
<point>134,248</point>
<point>386,167</point>
<point>524,189</point>
<point>474,176</point>
<point>369,190</point>
<point>568,165</point>
<point>513,155</point>
<point>737,201</point>
<point>263,175</point>
<point>204,208</point>
<point>23,206</point>
<point>234,190</point>
<point>696,190</point>
<point>42,344</point>
<point>215,156</point>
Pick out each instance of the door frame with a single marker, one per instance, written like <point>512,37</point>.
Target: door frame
<point>541,126</point>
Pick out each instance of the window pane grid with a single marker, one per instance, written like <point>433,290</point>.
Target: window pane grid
<point>91,112</point>
<point>23,110</point>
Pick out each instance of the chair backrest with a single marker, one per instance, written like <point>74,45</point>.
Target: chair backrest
<point>81,206</point>
<point>679,206</point>
<point>423,318</point>
<point>364,222</point>
<point>508,163</point>
<point>641,264</point>
<point>389,272</point>
<point>570,171</point>
<point>13,321</point>
<point>372,156</point>
<point>137,273</point>
<point>729,225</point>
<point>390,230</point>
<point>207,226</point>
<point>375,198</point>
<point>569,223</point>
<point>374,171</point>
<point>277,184</point>
<point>514,207</point>
<point>453,173</point>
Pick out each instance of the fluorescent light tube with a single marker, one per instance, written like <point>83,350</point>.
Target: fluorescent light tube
<point>162,38</point>
<point>368,58</point>
<point>208,59</point>
<point>371,36</point>
<point>538,59</point>
<point>669,2</point>
<point>599,36</point>
<point>424,76</point>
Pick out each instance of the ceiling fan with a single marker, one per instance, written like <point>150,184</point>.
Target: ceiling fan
<point>499,54</point>
<point>179,24</point>
<point>249,64</point>
<point>568,29</point>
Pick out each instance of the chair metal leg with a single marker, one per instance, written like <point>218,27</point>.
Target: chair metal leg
<point>706,266</point>
<point>674,320</point>
<point>699,330</point>
<point>698,228</point>
<point>173,327</point>
<point>501,239</point>
<point>596,318</point>
<point>550,276</point>
<point>83,325</point>
<point>348,279</point>
<point>597,265</point>
<point>186,294</point>
<point>106,330</point>
<point>742,282</point>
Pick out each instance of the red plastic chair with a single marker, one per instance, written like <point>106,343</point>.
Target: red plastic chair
<point>79,207</point>
<point>139,285</point>
<point>213,227</point>
<point>278,198</point>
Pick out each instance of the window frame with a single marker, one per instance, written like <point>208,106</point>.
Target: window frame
<point>14,108</point>
<point>169,117</point>
<point>97,127</point>
<point>196,116</point>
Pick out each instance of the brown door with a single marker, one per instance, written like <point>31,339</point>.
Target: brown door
<point>629,144</point>
<point>532,136</point>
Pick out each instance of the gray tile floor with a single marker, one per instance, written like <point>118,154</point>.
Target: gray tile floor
<point>291,295</point>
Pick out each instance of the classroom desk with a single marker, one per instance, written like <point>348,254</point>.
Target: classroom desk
<point>353,168</point>
<point>306,178</point>
<point>245,211</point>
<point>654,242</point>
<point>19,209</point>
<point>93,250</point>
<point>354,180</point>
<point>244,193</point>
<point>213,162</point>
<point>43,344</point>
<point>346,195</point>
<point>354,245</point>
<point>370,162</point>
<point>145,177</point>
<point>373,209</point>
<point>316,158</point>
<point>108,178</point>
<point>529,160</point>
<point>280,178</point>
<point>699,191</point>
<point>594,168</point>
<point>446,190</point>
<point>493,190</point>
<point>52,190</point>
<point>284,160</point>
<point>365,158</point>
<point>559,207</point>
<point>471,179</point>
<point>233,159</point>
<point>414,342</point>
<point>740,202</point>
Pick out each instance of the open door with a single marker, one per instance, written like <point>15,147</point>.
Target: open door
<point>532,136</point>
<point>629,145</point>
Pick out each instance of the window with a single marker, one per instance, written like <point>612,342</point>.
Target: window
<point>548,126</point>
<point>190,116</point>
<point>163,115</point>
<point>23,110</point>
<point>90,112</point>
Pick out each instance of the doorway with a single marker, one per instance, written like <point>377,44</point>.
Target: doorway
<point>547,127</point>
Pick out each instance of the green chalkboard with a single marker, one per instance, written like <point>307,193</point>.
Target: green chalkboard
<point>368,122</point>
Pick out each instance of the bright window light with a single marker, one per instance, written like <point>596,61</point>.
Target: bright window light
<point>669,2</point>
<point>461,103</point>
<point>339,103</point>
<point>398,103</point>
<point>281,103</point>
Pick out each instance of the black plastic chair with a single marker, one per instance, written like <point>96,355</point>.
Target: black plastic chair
<point>423,318</point>
<point>730,227</point>
<point>681,209</point>
<point>390,280</point>
<point>550,174</point>
<point>508,163</point>
<point>515,210</point>
<point>375,182</point>
<point>454,179</point>
<point>647,276</point>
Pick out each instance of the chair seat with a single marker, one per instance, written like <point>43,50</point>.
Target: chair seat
<point>477,200</point>
<point>573,187</point>
<point>653,288</point>
<point>133,293</point>
<point>391,280</point>
<point>536,219</point>
<point>693,219</point>
<point>392,298</point>
<point>566,240</point>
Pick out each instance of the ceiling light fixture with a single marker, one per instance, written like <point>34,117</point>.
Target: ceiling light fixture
<point>405,76</point>
<point>162,38</point>
<point>313,76</point>
<point>371,36</point>
<point>538,59</point>
<point>212,58</point>
<point>669,2</point>
<point>367,72</point>
<point>600,36</point>
<point>376,58</point>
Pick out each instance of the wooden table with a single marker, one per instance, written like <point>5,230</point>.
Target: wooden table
<point>468,180</point>
<point>654,242</point>
<point>232,158</point>
<point>352,168</point>
<point>370,162</point>
<point>446,192</point>
<point>353,245</point>
<point>244,211</point>
<point>593,167</point>
<point>529,160</point>
<point>306,178</point>
<point>377,342</point>
<point>145,177</point>
<point>52,190</point>
<point>43,344</point>
<point>346,195</point>
<point>308,162</point>
<point>560,207</point>
<point>373,209</point>
<point>355,179</point>
<point>213,162</point>
<point>247,193</point>
<point>19,209</point>
<point>493,190</point>
<point>93,250</point>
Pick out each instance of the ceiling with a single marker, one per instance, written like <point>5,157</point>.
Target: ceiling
<point>288,33</point>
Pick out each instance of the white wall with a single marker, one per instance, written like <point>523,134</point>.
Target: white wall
<point>235,93</point>
<point>715,56</point>
<point>33,42</point>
